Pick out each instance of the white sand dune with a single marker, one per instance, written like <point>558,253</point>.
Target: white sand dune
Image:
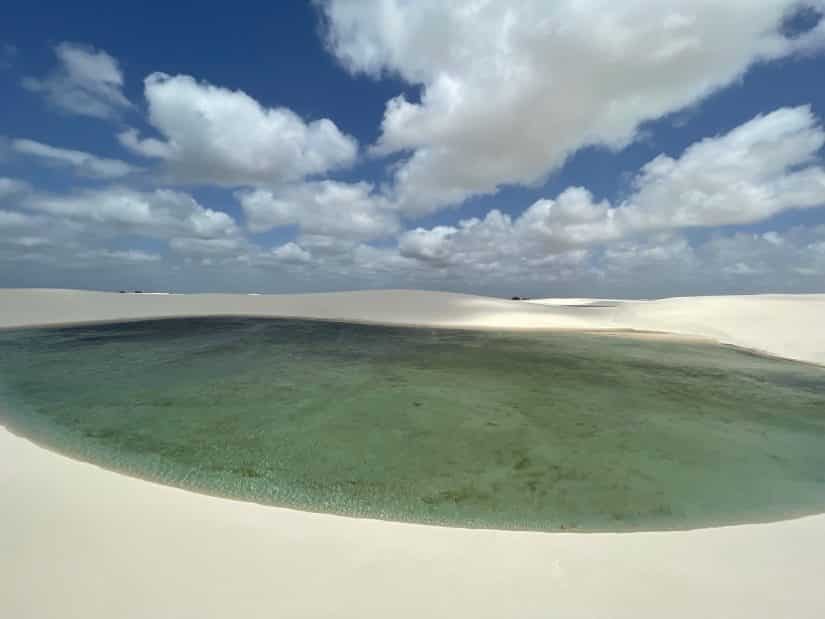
<point>791,326</point>
<point>79,541</point>
<point>784,325</point>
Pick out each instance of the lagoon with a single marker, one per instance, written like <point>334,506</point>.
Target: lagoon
<point>499,429</point>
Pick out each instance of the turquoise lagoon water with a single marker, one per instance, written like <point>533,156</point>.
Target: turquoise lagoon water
<point>543,431</point>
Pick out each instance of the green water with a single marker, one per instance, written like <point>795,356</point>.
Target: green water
<point>506,430</point>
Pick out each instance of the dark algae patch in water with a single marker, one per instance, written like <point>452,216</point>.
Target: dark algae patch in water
<point>545,431</point>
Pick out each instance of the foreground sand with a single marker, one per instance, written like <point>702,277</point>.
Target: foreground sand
<point>79,541</point>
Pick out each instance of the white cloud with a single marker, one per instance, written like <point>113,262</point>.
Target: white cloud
<point>129,255</point>
<point>433,246</point>
<point>161,213</point>
<point>759,169</point>
<point>86,82</point>
<point>146,147</point>
<point>206,247</point>
<point>15,219</point>
<point>764,167</point>
<point>327,247</point>
<point>347,210</point>
<point>660,253</point>
<point>508,91</point>
<point>291,253</point>
<point>31,241</point>
<point>658,265</point>
<point>12,187</point>
<point>221,136</point>
<point>511,89</point>
<point>336,262</point>
<point>84,163</point>
<point>40,237</point>
<point>496,246</point>
<point>75,232</point>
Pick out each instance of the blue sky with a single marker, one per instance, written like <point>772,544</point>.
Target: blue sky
<point>503,148</point>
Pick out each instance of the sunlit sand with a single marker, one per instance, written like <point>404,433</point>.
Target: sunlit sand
<point>103,543</point>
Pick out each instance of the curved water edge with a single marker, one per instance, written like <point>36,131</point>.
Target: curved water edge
<point>544,431</point>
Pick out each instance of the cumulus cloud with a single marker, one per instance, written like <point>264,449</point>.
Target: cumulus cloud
<point>161,213</point>
<point>664,264</point>
<point>330,261</point>
<point>85,231</point>
<point>347,210</point>
<point>510,89</point>
<point>86,82</point>
<point>83,163</point>
<point>291,253</point>
<point>213,134</point>
<point>761,168</point>
<point>496,245</point>
<point>792,260</point>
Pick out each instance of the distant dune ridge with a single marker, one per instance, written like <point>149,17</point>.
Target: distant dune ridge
<point>76,540</point>
<point>783,325</point>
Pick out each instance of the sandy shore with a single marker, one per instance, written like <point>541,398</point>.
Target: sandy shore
<point>782,325</point>
<point>79,541</point>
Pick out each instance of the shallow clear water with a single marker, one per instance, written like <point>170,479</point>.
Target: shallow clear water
<point>495,429</point>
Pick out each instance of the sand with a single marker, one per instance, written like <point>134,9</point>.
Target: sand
<point>79,541</point>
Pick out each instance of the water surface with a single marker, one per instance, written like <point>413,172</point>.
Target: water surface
<point>531,430</point>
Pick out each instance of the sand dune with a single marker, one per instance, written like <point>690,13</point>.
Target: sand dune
<point>79,541</point>
<point>43,307</point>
<point>783,325</point>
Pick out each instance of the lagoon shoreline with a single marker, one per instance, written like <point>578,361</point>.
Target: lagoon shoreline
<point>82,541</point>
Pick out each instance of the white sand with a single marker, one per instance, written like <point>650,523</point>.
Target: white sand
<point>79,541</point>
<point>791,326</point>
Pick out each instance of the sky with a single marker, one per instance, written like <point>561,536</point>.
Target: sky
<point>575,148</point>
